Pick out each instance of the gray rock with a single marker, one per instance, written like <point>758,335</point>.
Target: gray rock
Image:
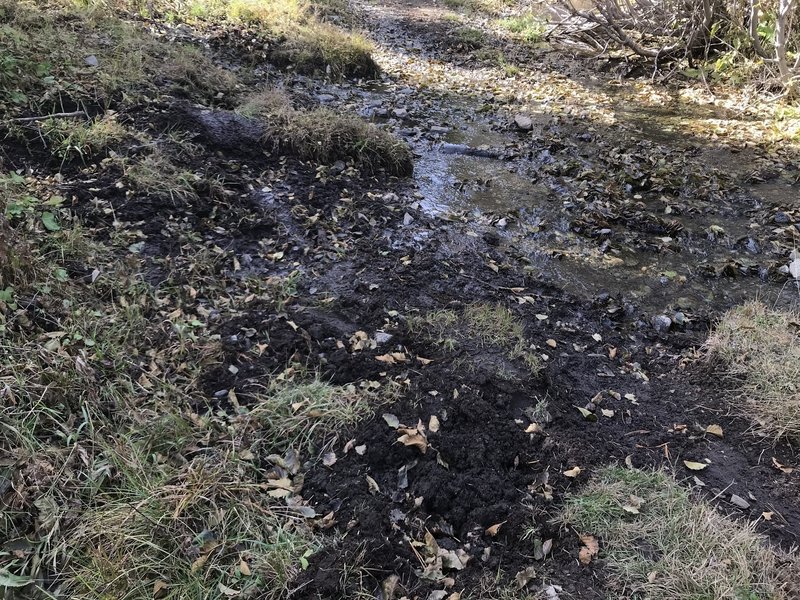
<point>337,167</point>
<point>662,323</point>
<point>400,113</point>
<point>523,122</point>
<point>91,60</point>
<point>781,217</point>
<point>325,98</point>
<point>679,318</point>
<point>438,129</point>
<point>382,337</point>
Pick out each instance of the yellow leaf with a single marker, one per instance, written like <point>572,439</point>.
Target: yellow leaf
<point>199,563</point>
<point>160,589</point>
<point>694,466</point>
<point>590,549</point>
<point>573,472</point>
<point>714,430</point>
<point>433,424</point>
<point>494,529</point>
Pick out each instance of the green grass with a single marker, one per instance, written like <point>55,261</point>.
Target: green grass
<point>469,38</point>
<point>528,28</point>
<point>676,546</point>
<point>758,351</point>
<point>482,323</point>
<point>325,136</point>
<point>157,175</point>
<point>491,7</point>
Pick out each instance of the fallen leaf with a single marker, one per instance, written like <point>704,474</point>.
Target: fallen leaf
<point>433,424</point>
<point>412,437</point>
<point>714,430</point>
<point>573,472</point>
<point>524,577</point>
<point>767,516</point>
<point>587,414</point>
<point>694,466</point>
<point>606,412</point>
<point>391,420</point>
<point>780,467</point>
<point>494,529</point>
<point>160,588</point>
<point>534,428</point>
<point>590,549</point>
<point>360,450</point>
<point>373,485</point>
<point>329,459</point>
<point>199,563</point>
<point>244,568</point>
<point>424,361</point>
<point>228,591</point>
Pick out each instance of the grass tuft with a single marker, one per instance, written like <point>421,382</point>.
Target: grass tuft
<point>675,547</point>
<point>325,136</point>
<point>759,349</point>
<point>528,28</point>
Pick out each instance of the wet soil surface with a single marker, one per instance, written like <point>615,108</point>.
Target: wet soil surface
<point>590,226</point>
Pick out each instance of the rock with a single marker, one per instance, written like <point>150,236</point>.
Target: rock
<point>400,113</point>
<point>337,167</point>
<point>91,60</point>
<point>438,129</point>
<point>781,217</point>
<point>523,122</point>
<point>662,323</point>
<point>679,318</point>
<point>407,219</point>
<point>325,98</point>
<point>382,337</point>
<point>739,501</point>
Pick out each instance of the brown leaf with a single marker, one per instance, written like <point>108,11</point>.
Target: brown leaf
<point>160,588</point>
<point>494,529</point>
<point>573,472</point>
<point>780,467</point>
<point>244,568</point>
<point>694,466</point>
<point>590,549</point>
<point>523,578</point>
<point>714,430</point>
<point>433,424</point>
<point>413,437</point>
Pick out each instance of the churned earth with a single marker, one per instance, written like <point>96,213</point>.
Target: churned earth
<point>531,303</point>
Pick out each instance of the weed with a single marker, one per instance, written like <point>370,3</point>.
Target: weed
<point>469,38</point>
<point>670,545</point>
<point>491,7</point>
<point>760,351</point>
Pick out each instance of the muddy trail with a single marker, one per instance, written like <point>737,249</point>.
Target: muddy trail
<point>530,303</point>
<point>613,236</point>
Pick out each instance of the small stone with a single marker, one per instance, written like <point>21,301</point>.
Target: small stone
<point>740,502</point>
<point>337,167</point>
<point>679,318</point>
<point>781,217</point>
<point>662,323</point>
<point>220,393</point>
<point>523,122</point>
<point>91,60</point>
<point>438,129</point>
<point>407,219</point>
<point>325,98</point>
<point>381,337</point>
<point>400,113</point>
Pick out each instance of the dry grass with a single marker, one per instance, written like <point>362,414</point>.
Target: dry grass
<point>676,547</point>
<point>120,478</point>
<point>292,33</point>
<point>156,175</point>
<point>71,138</point>
<point>759,351</point>
<point>325,136</point>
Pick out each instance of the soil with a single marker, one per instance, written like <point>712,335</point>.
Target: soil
<point>379,254</point>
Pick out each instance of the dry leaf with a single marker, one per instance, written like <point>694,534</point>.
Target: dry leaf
<point>228,591</point>
<point>714,430</point>
<point>160,588</point>
<point>767,516</point>
<point>523,578</point>
<point>590,549</point>
<point>694,466</point>
<point>244,568</point>
<point>573,472</point>
<point>413,437</point>
<point>373,485</point>
<point>199,563</point>
<point>360,450</point>
<point>534,428</point>
<point>424,361</point>
<point>433,424</point>
<point>606,412</point>
<point>329,459</point>
<point>780,467</point>
<point>391,420</point>
<point>492,531</point>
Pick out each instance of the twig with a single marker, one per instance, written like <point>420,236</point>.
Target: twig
<point>62,115</point>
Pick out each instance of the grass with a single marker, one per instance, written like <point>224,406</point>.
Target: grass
<point>157,175</point>
<point>758,350</point>
<point>482,323</point>
<point>325,136</point>
<point>675,547</point>
<point>469,38</point>
<point>491,7</point>
<point>527,28</point>
<point>71,138</point>
<point>291,33</point>
<point>125,480</point>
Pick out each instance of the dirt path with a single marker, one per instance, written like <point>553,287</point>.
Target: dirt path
<point>491,210</point>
